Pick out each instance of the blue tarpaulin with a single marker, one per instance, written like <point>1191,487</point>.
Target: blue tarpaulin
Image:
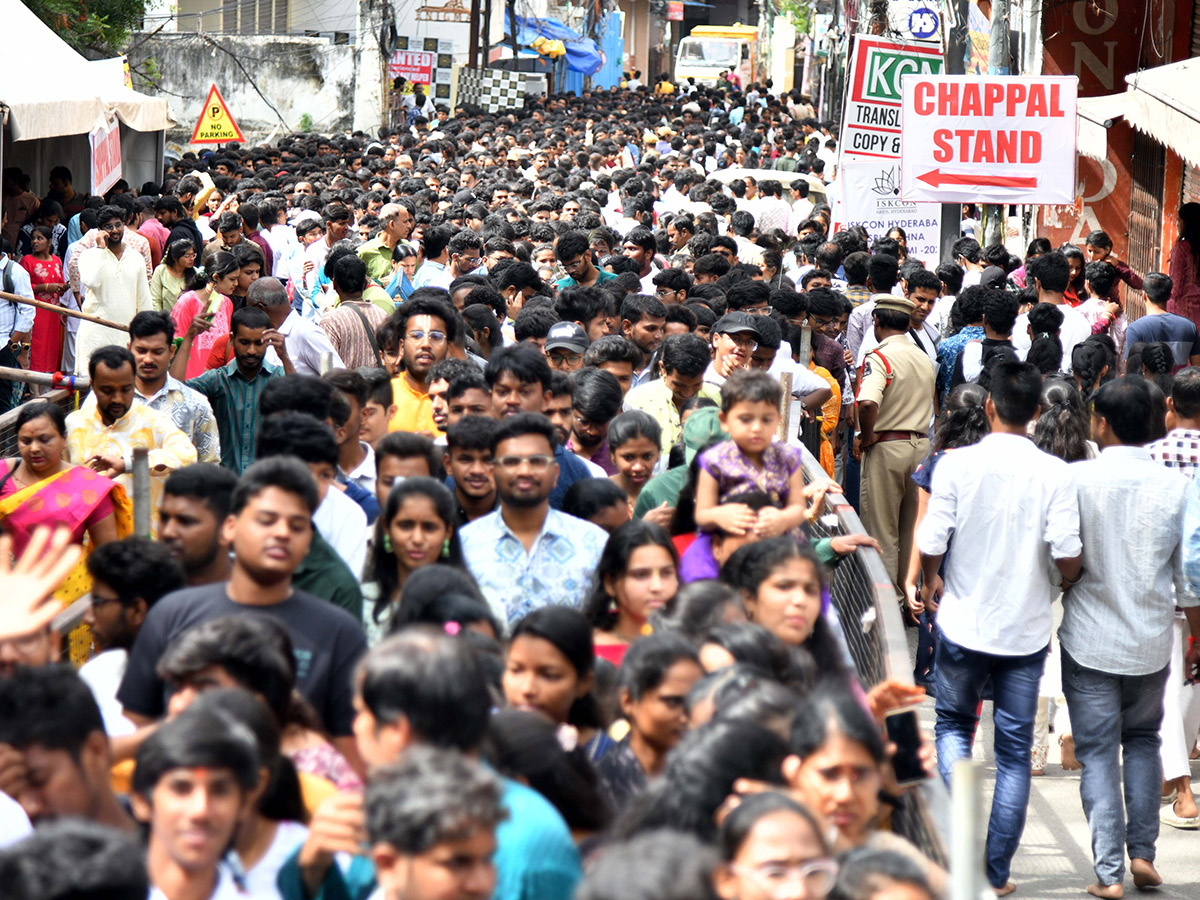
<point>582,53</point>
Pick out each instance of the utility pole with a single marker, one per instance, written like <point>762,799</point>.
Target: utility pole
<point>473,58</point>
<point>512,30</point>
<point>995,216</point>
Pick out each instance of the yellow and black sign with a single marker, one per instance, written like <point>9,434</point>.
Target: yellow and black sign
<point>216,125</point>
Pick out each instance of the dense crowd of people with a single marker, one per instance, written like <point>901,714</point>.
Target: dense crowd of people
<point>490,558</point>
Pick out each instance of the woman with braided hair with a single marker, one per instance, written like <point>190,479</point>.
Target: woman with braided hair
<point>1157,363</point>
<point>1093,362</point>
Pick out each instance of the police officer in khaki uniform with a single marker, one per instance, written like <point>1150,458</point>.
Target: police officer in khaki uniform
<point>895,408</point>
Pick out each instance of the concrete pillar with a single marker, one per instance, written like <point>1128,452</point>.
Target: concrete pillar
<point>368,68</point>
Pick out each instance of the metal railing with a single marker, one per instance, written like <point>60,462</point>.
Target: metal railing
<point>8,421</point>
<point>866,603</point>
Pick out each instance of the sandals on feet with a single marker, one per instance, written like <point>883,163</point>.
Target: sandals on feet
<point>1168,816</point>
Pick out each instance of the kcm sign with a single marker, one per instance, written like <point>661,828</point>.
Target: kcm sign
<point>871,124</point>
<point>996,138</point>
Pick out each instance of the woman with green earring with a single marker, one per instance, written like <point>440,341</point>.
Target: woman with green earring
<point>415,529</point>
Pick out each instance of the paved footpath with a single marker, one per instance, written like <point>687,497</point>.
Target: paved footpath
<point>1055,858</point>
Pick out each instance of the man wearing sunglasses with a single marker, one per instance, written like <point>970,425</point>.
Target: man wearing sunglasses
<point>466,253</point>
<point>526,555</point>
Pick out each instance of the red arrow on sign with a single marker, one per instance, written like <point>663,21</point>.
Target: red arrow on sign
<point>937,178</point>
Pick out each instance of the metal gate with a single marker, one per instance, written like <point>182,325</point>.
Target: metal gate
<point>1145,215</point>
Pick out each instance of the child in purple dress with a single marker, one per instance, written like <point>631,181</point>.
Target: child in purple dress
<point>752,461</point>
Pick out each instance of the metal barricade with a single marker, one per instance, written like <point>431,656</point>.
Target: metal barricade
<point>8,421</point>
<point>866,604</point>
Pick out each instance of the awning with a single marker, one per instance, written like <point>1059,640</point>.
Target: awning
<point>1164,102</point>
<point>1095,115</point>
<point>582,53</point>
<point>50,90</point>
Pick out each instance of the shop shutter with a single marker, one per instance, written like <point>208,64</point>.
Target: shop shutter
<point>1145,215</point>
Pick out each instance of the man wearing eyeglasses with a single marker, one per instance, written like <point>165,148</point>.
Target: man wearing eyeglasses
<point>129,577</point>
<point>565,345</point>
<point>575,257</point>
<point>427,325</point>
<point>734,340</point>
<point>466,253</point>
<point>526,555</point>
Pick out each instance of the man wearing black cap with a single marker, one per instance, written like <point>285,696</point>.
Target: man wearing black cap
<point>565,345</point>
<point>895,407</point>
<point>734,339</point>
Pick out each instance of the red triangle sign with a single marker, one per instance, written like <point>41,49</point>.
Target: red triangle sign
<point>216,124</point>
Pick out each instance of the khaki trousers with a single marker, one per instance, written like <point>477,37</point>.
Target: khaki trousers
<point>889,499</point>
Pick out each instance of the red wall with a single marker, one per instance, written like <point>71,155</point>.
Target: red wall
<point>1101,41</point>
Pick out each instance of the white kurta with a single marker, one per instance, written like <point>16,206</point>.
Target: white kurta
<point>115,289</point>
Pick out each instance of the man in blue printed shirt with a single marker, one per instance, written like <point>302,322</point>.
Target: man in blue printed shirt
<point>526,555</point>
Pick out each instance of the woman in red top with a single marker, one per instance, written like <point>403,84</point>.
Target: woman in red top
<point>46,276</point>
<point>1185,265</point>
<point>638,574</point>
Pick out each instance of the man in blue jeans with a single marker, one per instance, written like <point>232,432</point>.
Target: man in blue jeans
<point>1011,511</point>
<point>1117,632</point>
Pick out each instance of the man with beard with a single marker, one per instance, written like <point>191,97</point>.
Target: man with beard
<point>116,287</point>
<point>150,337</point>
<point>521,382</point>
<point>426,326</point>
<point>196,500</point>
<point>270,530</point>
<point>103,433</point>
<point>234,389</point>
<point>526,555</point>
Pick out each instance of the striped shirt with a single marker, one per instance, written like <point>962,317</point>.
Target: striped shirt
<point>234,400</point>
<point>348,334</point>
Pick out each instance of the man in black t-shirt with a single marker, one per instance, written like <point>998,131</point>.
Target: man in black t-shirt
<point>269,529</point>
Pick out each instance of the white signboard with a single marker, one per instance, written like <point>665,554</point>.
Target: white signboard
<point>871,124</point>
<point>990,139</point>
<point>871,198</point>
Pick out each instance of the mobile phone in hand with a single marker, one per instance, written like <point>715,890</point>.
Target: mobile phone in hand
<point>904,730</point>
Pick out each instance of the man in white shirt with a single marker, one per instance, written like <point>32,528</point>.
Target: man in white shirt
<point>128,577</point>
<point>306,342</point>
<point>883,271</point>
<point>923,290</point>
<point>337,219</point>
<point>1050,273</point>
<point>197,760</point>
<point>1012,512</point>
<point>435,271</point>
<point>1116,632</point>
<point>16,319</point>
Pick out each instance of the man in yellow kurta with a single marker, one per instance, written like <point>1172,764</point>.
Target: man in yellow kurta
<point>115,286</point>
<point>103,433</point>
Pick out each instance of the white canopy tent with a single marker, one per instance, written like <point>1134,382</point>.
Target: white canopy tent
<point>1164,102</point>
<point>51,98</point>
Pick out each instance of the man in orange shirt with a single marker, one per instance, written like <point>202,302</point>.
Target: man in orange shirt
<point>424,326</point>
